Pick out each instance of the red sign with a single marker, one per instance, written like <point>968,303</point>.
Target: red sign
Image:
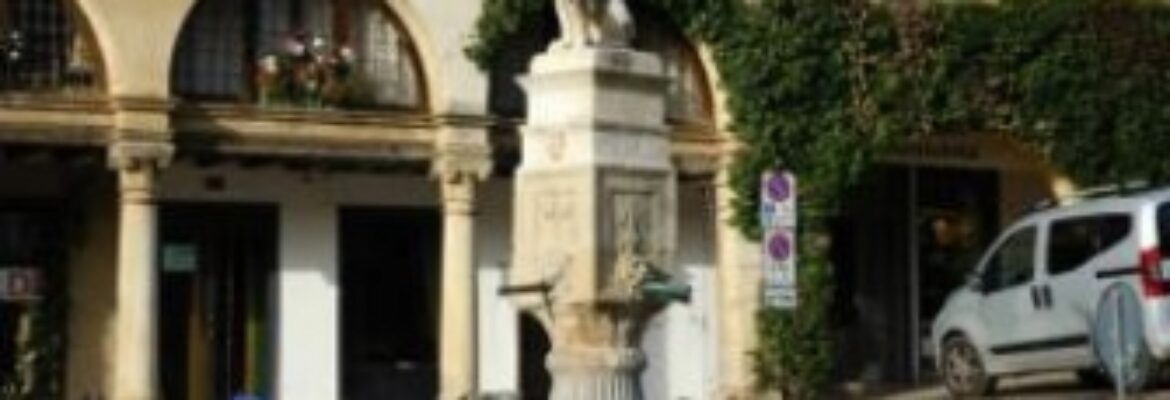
<point>20,284</point>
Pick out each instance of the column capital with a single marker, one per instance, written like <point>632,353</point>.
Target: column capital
<point>137,155</point>
<point>462,153</point>
<point>137,164</point>
<point>462,159</point>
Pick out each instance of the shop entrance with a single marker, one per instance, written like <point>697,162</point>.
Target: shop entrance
<point>216,269</point>
<point>389,298</point>
<point>32,244</point>
<point>908,236</point>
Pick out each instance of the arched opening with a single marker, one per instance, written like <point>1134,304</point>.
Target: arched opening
<point>910,232</point>
<point>48,48</point>
<point>689,96</point>
<point>352,54</point>
<point>535,380</point>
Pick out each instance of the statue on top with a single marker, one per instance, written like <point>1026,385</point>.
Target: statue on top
<point>593,23</point>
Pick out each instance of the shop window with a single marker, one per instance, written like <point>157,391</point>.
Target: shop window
<point>45,46</point>
<point>306,53</point>
<point>1012,263</point>
<point>1073,242</point>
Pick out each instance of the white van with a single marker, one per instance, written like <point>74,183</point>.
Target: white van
<point>1032,301</point>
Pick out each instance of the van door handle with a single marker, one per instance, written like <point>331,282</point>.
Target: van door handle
<point>1046,295</point>
<point>1037,301</point>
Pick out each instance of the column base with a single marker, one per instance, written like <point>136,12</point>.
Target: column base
<point>596,373</point>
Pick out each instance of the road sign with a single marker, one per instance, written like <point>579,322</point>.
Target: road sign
<point>20,284</point>
<point>778,219</point>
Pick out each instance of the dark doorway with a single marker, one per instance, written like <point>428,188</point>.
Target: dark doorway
<point>216,268</point>
<point>389,296</point>
<point>907,237</point>
<point>535,381</point>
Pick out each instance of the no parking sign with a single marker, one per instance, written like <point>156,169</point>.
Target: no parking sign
<point>778,218</point>
<point>20,284</point>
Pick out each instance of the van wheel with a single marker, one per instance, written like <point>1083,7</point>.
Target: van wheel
<point>963,370</point>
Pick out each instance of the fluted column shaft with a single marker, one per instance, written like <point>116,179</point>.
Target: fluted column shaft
<point>457,346</point>
<point>135,362</point>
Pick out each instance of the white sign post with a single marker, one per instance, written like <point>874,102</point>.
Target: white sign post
<point>778,219</point>
<point>20,284</point>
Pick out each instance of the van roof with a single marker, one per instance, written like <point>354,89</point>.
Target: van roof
<point>1101,201</point>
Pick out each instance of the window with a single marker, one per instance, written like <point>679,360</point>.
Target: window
<point>344,53</point>
<point>45,46</point>
<point>1073,242</point>
<point>1164,229</point>
<point>1012,263</point>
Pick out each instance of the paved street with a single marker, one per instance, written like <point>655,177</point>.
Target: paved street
<point>1054,386</point>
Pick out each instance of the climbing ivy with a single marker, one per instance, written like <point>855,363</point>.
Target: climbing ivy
<point>819,87</point>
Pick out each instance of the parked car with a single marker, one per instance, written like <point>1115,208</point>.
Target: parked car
<point>1032,301</point>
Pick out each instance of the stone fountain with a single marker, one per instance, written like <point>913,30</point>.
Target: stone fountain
<point>595,202</point>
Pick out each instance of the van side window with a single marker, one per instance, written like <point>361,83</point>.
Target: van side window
<point>1012,263</point>
<point>1074,241</point>
<point>1164,229</point>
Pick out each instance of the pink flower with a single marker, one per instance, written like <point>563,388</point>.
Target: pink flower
<point>346,54</point>
<point>294,46</point>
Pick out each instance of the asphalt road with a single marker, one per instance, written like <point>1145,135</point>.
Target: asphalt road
<point>1053,386</point>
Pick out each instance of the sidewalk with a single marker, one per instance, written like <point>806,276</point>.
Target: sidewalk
<point>1048,386</point>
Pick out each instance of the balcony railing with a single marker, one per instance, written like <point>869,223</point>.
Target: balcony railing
<point>348,54</point>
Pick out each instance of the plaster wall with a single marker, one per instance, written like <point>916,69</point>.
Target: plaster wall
<point>680,343</point>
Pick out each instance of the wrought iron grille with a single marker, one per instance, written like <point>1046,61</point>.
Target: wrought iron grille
<point>315,53</point>
<point>45,46</point>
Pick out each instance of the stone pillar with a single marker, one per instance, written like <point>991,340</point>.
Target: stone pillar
<point>738,280</point>
<point>135,361</point>
<point>463,161</point>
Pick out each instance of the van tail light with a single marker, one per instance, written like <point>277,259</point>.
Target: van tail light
<point>1154,274</point>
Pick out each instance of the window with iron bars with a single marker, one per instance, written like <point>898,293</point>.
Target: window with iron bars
<point>298,53</point>
<point>46,47</point>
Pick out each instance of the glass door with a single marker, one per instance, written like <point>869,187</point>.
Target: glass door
<point>217,266</point>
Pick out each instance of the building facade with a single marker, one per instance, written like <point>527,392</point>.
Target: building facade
<point>312,199</point>
<point>308,199</point>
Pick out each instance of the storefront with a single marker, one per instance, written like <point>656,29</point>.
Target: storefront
<point>911,232</point>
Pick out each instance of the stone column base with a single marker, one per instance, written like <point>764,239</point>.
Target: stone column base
<point>596,373</point>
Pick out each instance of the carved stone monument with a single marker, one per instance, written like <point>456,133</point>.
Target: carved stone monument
<point>595,202</point>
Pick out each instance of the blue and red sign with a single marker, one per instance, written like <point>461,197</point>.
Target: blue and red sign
<point>778,218</point>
